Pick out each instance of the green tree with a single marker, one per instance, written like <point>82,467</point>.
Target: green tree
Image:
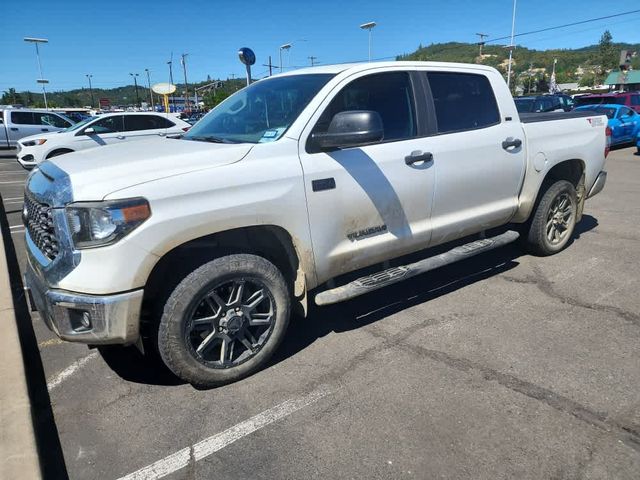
<point>607,54</point>
<point>11,97</point>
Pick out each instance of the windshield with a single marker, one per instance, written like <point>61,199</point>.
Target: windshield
<point>261,112</point>
<point>524,105</point>
<point>610,112</point>
<point>78,125</point>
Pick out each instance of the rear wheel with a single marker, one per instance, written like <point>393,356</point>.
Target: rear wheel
<point>553,220</point>
<point>224,320</point>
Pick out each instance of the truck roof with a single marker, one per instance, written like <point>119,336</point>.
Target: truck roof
<point>361,66</point>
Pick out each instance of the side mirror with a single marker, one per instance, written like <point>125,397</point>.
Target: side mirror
<point>89,131</point>
<point>350,129</point>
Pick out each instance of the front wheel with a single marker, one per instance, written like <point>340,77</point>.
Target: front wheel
<point>554,220</point>
<point>224,320</point>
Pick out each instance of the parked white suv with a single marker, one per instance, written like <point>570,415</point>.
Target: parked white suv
<point>109,129</point>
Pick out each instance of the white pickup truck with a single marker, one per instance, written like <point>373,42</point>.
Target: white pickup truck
<point>201,247</point>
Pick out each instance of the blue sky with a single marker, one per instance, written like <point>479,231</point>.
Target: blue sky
<point>112,38</point>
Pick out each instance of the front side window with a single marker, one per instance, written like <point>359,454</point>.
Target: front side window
<point>635,99</point>
<point>51,120</point>
<point>260,113</point>
<point>108,125</point>
<point>463,101</point>
<point>22,118</point>
<point>390,94</point>
<point>624,112</point>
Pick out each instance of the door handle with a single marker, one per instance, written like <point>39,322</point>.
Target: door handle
<point>120,137</point>
<point>511,142</point>
<point>14,129</point>
<point>418,156</point>
<point>44,129</point>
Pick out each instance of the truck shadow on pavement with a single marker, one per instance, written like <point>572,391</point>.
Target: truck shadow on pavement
<point>130,365</point>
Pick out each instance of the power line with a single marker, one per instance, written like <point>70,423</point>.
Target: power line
<point>564,26</point>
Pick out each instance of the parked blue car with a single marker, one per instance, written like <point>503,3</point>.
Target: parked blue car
<point>623,122</point>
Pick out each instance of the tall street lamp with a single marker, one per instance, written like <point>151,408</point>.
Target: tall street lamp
<point>511,46</point>
<point>135,81</point>
<point>153,107</point>
<point>41,80</point>
<point>286,46</point>
<point>90,87</point>
<point>369,26</point>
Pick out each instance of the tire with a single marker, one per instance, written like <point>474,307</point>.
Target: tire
<point>215,329</point>
<point>553,220</point>
<point>57,153</point>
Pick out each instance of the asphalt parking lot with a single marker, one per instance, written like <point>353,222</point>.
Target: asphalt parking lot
<point>503,366</point>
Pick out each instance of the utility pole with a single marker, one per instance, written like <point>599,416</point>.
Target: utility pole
<point>135,81</point>
<point>481,42</point>
<point>233,76</point>
<point>170,63</point>
<point>186,85</point>
<point>153,107</point>
<point>511,46</point>
<point>270,65</point>
<point>313,59</point>
<point>90,88</point>
<point>530,76</point>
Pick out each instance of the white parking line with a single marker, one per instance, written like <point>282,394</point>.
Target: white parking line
<point>16,227</point>
<point>209,446</point>
<point>13,183</point>
<point>70,370</point>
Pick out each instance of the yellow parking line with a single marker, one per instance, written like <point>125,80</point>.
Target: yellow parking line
<point>51,341</point>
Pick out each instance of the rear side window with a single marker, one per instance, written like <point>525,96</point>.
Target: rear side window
<point>22,118</point>
<point>145,122</point>
<point>463,101</point>
<point>635,99</point>
<point>389,94</point>
<point>108,125</point>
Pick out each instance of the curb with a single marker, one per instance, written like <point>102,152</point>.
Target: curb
<point>18,447</point>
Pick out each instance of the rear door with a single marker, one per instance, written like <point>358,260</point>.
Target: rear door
<point>21,124</point>
<point>478,156</point>
<point>140,126</point>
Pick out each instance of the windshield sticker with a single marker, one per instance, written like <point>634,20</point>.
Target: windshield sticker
<point>271,135</point>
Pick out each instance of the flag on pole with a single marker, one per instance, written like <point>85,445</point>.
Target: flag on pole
<point>553,86</point>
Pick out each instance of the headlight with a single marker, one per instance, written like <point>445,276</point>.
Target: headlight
<point>33,143</point>
<point>103,223</point>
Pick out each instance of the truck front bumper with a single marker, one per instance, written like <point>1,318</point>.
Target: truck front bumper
<point>91,319</point>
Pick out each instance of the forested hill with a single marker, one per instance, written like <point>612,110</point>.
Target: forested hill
<point>571,67</point>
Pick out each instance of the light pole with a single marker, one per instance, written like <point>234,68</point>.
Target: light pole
<point>186,85</point>
<point>513,28</point>
<point>40,80</point>
<point>153,107</point>
<point>90,87</point>
<point>135,81</point>
<point>170,63</point>
<point>286,46</point>
<point>369,26</point>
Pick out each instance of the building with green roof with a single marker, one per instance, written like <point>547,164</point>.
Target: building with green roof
<point>628,80</point>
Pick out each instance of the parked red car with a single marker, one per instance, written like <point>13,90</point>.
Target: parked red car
<point>629,99</point>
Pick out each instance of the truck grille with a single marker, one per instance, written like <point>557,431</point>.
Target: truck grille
<point>38,220</point>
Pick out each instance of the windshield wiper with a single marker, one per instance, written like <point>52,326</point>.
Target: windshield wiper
<point>210,138</point>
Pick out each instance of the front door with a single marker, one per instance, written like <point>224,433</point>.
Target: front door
<point>479,157</point>
<point>106,131</point>
<point>366,203</point>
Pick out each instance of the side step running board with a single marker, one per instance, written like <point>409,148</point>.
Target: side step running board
<point>396,274</point>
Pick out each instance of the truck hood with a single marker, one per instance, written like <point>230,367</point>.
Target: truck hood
<point>97,172</point>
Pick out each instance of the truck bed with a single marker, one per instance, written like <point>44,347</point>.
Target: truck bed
<point>550,116</point>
